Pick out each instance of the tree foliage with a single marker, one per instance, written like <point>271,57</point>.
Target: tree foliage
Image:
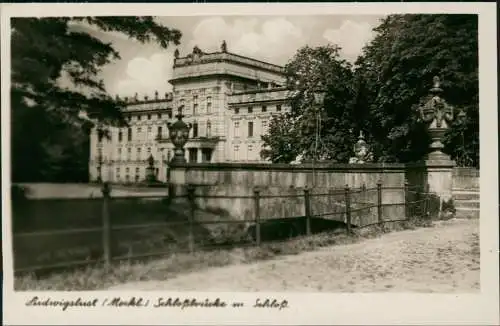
<point>310,70</point>
<point>395,73</point>
<point>54,78</point>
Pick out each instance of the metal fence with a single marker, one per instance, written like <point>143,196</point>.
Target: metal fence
<point>103,230</point>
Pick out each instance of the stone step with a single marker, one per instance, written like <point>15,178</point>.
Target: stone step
<point>467,203</point>
<point>465,189</point>
<point>465,195</point>
<point>467,212</point>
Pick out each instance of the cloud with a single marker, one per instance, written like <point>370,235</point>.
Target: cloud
<point>273,39</point>
<point>351,37</point>
<point>145,75</point>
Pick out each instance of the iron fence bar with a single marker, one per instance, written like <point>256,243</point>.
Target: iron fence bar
<point>191,216</point>
<point>70,263</point>
<point>57,232</point>
<point>307,210</point>
<point>348,208</point>
<point>379,201</point>
<point>256,192</point>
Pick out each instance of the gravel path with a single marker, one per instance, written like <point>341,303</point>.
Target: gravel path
<point>444,258</point>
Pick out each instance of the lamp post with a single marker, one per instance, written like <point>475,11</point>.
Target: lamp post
<point>99,166</point>
<point>319,100</point>
<point>437,114</point>
<point>179,134</point>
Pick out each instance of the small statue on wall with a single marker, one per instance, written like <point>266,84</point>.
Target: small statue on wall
<point>223,46</point>
<point>362,152</point>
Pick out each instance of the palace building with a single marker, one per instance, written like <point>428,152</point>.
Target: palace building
<point>229,100</point>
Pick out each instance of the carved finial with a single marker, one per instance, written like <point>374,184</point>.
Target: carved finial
<point>136,96</point>
<point>223,46</point>
<point>436,81</point>
<point>436,86</point>
<point>176,53</point>
<point>156,95</point>
<point>145,97</point>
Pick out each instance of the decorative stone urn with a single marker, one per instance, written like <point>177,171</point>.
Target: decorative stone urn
<point>362,152</point>
<point>179,134</point>
<point>437,114</point>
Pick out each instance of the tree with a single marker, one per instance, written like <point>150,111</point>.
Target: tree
<point>281,139</point>
<point>45,52</point>
<point>395,73</point>
<point>319,133</point>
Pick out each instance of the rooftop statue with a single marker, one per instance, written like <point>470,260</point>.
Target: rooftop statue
<point>223,46</point>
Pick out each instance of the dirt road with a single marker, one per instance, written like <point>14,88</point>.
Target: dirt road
<point>444,258</point>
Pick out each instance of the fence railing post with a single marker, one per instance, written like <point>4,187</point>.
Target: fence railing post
<point>418,204</point>
<point>307,204</point>
<point>106,226</point>
<point>256,199</point>
<point>347,192</point>
<point>407,199</point>
<point>379,202</point>
<point>191,196</point>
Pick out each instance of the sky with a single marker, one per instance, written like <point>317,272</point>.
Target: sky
<point>144,68</point>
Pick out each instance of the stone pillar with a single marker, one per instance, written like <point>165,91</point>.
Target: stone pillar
<point>177,186</point>
<point>198,155</point>
<point>439,177</point>
<point>438,114</point>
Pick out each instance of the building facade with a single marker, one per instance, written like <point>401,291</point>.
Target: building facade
<point>228,99</point>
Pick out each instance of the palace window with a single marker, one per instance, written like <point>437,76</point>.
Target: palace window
<point>195,108</point>
<point>206,154</point>
<point>250,109</point>
<point>209,129</point>
<point>119,153</point>
<point>236,128</point>
<point>250,148</point>
<point>264,126</point>
<point>139,153</point>
<point>149,116</point>
<point>129,153</point>
<point>150,130</point>
<point>193,155</point>
<point>236,110</point>
<point>159,116</point>
<point>250,128</point>
<point>195,129</point>
<point>139,117</point>
<point>278,107</point>
<point>129,134</point>
<point>264,108</point>
<point>120,136</point>
<point>209,105</point>
<point>149,151</point>
<point>159,131</point>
